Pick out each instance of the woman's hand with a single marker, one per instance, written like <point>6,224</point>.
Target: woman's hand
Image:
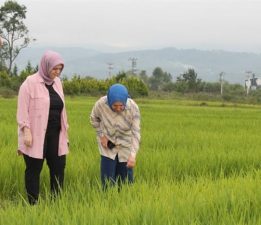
<point>104,141</point>
<point>131,161</point>
<point>28,140</point>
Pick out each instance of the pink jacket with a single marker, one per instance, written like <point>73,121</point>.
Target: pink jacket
<point>33,111</point>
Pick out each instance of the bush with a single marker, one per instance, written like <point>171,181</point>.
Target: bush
<point>94,87</point>
<point>6,92</point>
<point>5,80</point>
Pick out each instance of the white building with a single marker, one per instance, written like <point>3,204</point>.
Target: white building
<point>252,84</point>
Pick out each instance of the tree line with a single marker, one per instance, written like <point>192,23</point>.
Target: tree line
<point>139,84</point>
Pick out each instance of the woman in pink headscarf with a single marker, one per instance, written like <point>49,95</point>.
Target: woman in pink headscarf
<point>42,125</point>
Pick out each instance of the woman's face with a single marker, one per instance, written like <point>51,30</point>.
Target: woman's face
<point>56,71</point>
<point>117,107</point>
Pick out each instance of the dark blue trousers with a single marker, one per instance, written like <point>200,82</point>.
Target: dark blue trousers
<point>114,172</point>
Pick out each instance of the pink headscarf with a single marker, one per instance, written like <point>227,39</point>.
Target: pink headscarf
<point>49,60</point>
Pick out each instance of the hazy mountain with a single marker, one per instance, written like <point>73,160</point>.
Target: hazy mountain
<point>207,64</point>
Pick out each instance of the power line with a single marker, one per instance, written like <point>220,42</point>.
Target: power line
<point>221,78</point>
<point>110,68</point>
<point>133,64</point>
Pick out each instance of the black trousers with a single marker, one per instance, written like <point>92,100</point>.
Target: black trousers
<point>34,166</point>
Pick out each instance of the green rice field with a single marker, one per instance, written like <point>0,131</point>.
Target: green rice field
<point>199,163</point>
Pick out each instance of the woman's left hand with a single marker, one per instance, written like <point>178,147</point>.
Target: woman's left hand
<point>104,141</point>
<point>131,161</point>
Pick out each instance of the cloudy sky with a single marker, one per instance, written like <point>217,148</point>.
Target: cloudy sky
<point>232,25</point>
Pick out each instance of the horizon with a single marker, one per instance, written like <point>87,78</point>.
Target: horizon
<point>109,49</point>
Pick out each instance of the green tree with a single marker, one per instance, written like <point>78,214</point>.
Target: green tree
<point>15,70</point>
<point>120,76</point>
<point>29,70</point>
<point>144,77</point>
<point>5,80</point>
<point>159,79</point>
<point>135,86</point>
<point>13,31</point>
<point>211,87</point>
<point>191,80</point>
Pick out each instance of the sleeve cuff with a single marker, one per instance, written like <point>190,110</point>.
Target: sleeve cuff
<point>22,126</point>
<point>133,153</point>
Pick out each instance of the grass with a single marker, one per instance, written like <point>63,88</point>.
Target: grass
<point>198,164</point>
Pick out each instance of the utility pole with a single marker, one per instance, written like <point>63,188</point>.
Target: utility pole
<point>248,81</point>
<point>133,65</point>
<point>221,78</point>
<point>110,68</point>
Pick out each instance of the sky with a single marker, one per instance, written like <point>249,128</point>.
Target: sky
<point>231,25</point>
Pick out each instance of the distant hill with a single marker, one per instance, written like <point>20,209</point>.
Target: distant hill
<point>207,64</point>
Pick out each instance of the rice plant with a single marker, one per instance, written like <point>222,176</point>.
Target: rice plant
<point>197,164</point>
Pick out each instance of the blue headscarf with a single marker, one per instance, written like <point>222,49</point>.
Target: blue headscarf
<point>117,93</point>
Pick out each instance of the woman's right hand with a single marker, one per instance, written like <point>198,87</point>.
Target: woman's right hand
<point>28,140</point>
<point>104,141</point>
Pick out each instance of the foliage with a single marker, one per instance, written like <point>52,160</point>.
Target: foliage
<point>2,60</point>
<point>13,31</point>
<point>7,92</point>
<point>144,77</point>
<point>15,70</point>
<point>254,97</point>
<point>189,81</point>
<point>211,87</point>
<point>233,92</point>
<point>187,86</point>
<point>84,86</point>
<point>120,76</point>
<point>92,86</point>
<point>5,80</point>
<point>158,79</point>
<point>135,86</point>
<point>29,70</point>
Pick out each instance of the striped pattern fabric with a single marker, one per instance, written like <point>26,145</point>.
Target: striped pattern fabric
<point>123,129</point>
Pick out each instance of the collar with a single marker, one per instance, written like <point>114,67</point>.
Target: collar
<point>41,80</point>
